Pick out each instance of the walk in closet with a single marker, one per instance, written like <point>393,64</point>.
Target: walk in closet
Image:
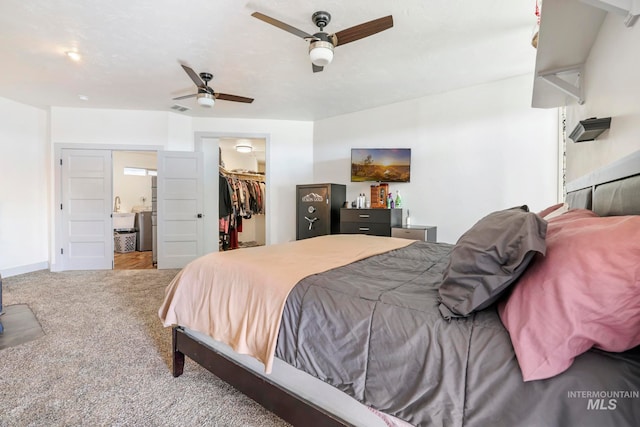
<point>241,192</point>
<point>242,200</point>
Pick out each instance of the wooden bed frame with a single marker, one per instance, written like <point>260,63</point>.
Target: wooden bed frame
<point>299,411</point>
<point>274,398</point>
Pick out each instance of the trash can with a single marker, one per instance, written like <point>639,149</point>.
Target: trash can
<point>124,242</point>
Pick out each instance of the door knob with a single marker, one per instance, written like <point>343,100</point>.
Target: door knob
<point>200,215</point>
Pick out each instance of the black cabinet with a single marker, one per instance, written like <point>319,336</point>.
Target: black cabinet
<point>318,209</point>
<point>377,222</point>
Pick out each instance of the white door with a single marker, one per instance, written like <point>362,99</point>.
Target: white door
<point>180,204</point>
<point>87,231</point>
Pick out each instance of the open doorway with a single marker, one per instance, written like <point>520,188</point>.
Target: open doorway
<point>134,209</point>
<point>241,156</point>
<point>242,187</point>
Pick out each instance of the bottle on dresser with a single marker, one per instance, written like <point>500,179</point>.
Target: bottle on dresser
<point>361,201</point>
<point>398,199</point>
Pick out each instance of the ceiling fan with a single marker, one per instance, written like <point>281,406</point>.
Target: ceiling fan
<point>206,96</point>
<point>321,44</point>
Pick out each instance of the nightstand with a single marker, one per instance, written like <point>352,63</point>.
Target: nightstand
<point>428,233</point>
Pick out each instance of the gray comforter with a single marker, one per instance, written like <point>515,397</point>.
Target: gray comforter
<point>373,330</point>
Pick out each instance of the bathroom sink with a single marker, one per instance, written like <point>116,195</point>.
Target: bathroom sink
<point>123,220</point>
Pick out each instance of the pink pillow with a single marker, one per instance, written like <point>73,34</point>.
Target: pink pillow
<point>584,293</point>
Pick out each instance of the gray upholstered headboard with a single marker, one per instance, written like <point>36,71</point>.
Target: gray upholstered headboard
<point>612,190</point>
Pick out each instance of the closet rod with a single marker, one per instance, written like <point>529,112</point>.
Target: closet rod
<point>253,176</point>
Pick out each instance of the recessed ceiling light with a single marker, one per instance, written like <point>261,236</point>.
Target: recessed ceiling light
<point>83,97</point>
<point>75,56</point>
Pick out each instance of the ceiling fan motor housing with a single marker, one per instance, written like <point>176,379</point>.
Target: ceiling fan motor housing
<point>321,19</point>
<point>206,77</point>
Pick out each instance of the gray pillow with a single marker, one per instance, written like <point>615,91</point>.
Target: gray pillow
<point>488,258</point>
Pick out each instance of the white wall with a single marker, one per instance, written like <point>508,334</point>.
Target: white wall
<point>121,127</point>
<point>474,151</point>
<point>25,163</point>
<point>612,89</point>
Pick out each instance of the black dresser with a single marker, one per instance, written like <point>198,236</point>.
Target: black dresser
<point>376,222</point>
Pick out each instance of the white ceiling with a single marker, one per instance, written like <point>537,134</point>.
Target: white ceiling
<point>132,50</point>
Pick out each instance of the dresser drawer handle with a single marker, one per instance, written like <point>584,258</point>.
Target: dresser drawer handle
<point>363,216</point>
<point>363,228</point>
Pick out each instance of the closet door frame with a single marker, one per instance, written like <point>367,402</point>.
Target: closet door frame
<point>207,143</point>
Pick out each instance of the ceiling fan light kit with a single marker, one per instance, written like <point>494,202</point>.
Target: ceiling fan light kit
<point>321,53</point>
<point>206,99</point>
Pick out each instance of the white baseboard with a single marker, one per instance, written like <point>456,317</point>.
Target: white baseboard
<point>8,272</point>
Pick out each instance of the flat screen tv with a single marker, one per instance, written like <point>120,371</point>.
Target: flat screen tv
<point>380,164</point>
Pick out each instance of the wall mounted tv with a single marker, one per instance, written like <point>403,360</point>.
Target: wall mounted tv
<point>380,164</point>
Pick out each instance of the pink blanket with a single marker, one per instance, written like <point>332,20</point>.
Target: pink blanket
<point>237,297</point>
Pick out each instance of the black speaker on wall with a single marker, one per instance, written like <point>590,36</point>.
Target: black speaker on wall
<point>590,129</point>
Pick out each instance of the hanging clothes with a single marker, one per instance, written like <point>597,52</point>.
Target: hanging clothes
<point>225,206</point>
<point>240,197</point>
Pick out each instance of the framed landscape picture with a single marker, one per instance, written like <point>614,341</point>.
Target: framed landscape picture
<point>380,164</point>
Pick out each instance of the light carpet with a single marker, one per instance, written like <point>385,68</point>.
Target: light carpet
<point>105,359</point>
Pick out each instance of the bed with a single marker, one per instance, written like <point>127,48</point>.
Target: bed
<point>524,321</point>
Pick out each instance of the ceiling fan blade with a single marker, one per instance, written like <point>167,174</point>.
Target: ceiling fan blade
<point>186,96</point>
<point>282,25</point>
<point>316,68</point>
<point>235,98</point>
<point>364,30</point>
<point>194,76</point>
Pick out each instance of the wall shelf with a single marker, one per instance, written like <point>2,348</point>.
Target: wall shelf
<point>568,29</point>
<point>629,9</point>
